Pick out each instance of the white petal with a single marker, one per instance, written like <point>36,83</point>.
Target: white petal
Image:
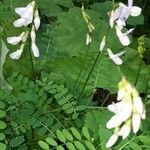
<point>120,23</point>
<point>117,61</point>
<point>88,39</point>
<point>115,121</point>
<point>130,3</point>
<point>117,13</point>
<point>20,22</point>
<point>138,105</point>
<point>102,44</point>
<point>35,50</point>
<point>113,139</point>
<point>135,11</point>
<point>123,38</point>
<point>14,40</point>
<point>121,94</point>
<point>116,107</point>
<point>26,12</point>
<point>16,55</point>
<point>115,57</point>
<point>33,35</point>
<point>37,21</point>
<point>136,121</point>
<point>20,10</point>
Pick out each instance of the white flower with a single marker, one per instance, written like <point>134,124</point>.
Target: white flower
<point>17,54</point>
<point>123,38</point>
<point>34,48</point>
<point>102,44</point>
<point>113,139</point>
<point>123,12</point>
<point>26,14</point>
<point>16,39</point>
<point>37,21</point>
<point>88,39</point>
<point>115,57</point>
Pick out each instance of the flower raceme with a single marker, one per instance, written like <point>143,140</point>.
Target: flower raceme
<point>29,15</point>
<point>119,16</point>
<point>128,112</point>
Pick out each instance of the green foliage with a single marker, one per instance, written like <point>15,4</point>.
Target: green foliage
<point>49,102</point>
<point>62,140</point>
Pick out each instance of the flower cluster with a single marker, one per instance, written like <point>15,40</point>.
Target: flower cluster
<point>119,17</point>
<point>128,112</point>
<point>28,15</point>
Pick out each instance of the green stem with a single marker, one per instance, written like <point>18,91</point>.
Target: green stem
<point>31,58</point>
<point>99,55</point>
<point>138,73</point>
<point>82,67</point>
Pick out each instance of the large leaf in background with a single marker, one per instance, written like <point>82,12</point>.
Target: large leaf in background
<point>47,7</point>
<point>104,8</point>
<point>53,7</point>
<point>3,52</point>
<point>70,33</point>
<point>109,74</point>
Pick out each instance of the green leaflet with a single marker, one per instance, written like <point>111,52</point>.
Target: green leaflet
<point>3,53</point>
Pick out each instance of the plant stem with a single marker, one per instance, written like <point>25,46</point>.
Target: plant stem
<point>99,55</point>
<point>31,58</point>
<point>82,66</point>
<point>138,73</point>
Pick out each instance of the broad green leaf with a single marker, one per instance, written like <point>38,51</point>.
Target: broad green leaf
<point>61,136</point>
<point>43,145</point>
<point>51,141</point>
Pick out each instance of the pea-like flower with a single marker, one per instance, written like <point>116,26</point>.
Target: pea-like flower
<point>115,57</point>
<point>16,39</point>
<point>128,112</point>
<point>26,14</point>
<point>123,37</point>
<point>17,54</point>
<point>122,13</point>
